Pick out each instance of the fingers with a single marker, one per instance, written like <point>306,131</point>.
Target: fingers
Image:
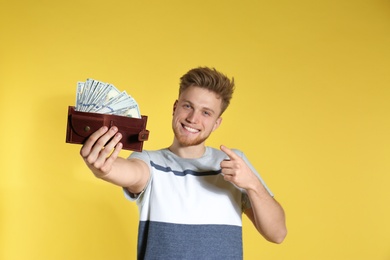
<point>96,149</point>
<point>114,154</point>
<point>228,163</point>
<point>86,148</point>
<point>230,167</point>
<point>99,157</point>
<point>105,163</point>
<point>225,164</point>
<point>228,152</point>
<point>227,177</point>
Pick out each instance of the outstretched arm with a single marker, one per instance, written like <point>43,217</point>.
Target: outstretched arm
<point>102,159</point>
<point>266,213</point>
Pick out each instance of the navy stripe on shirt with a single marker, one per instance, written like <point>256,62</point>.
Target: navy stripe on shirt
<point>185,172</point>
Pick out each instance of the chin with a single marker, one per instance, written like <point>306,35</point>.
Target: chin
<point>185,141</point>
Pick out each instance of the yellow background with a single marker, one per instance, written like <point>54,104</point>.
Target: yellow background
<point>311,111</point>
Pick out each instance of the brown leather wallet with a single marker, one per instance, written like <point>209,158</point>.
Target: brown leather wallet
<point>82,124</point>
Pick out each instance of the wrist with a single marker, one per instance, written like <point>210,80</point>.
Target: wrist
<point>257,188</point>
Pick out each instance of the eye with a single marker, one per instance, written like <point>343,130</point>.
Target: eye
<point>206,113</point>
<point>186,106</point>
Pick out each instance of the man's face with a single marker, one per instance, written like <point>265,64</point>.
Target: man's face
<point>195,115</point>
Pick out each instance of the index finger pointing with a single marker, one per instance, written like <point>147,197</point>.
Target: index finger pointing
<point>229,152</point>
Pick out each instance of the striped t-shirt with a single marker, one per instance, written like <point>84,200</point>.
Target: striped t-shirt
<point>187,210</point>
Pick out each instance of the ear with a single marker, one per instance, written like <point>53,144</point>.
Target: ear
<point>217,123</point>
<point>174,107</point>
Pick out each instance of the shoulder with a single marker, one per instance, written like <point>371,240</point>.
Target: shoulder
<point>218,151</point>
<point>214,152</point>
<point>238,152</point>
<point>148,154</point>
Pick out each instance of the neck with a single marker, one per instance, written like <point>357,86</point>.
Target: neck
<point>189,152</point>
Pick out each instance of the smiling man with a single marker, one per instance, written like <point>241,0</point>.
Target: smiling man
<point>190,196</point>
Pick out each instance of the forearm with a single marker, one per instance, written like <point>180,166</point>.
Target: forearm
<point>130,174</point>
<point>266,214</point>
<point>101,156</point>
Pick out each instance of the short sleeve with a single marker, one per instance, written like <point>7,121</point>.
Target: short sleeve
<point>245,202</point>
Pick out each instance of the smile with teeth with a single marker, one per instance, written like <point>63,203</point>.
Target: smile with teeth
<point>190,129</point>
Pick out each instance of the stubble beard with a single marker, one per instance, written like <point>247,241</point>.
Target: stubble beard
<point>183,140</point>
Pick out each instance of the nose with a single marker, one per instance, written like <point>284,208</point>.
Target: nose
<point>192,117</point>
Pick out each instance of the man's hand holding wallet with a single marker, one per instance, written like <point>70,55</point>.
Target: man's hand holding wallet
<point>101,104</point>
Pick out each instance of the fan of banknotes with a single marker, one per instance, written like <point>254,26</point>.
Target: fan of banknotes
<point>98,97</point>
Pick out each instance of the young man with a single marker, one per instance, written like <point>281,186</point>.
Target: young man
<point>191,197</point>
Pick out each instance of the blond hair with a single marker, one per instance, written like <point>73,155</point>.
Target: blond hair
<point>211,79</point>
